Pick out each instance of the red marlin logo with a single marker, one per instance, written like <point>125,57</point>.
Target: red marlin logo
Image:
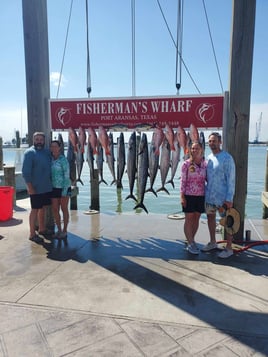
<point>204,112</point>
<point>63,115</point>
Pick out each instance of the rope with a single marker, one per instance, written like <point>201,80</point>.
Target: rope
<point>172,38</point>
<point>88,57</point>
<point>65,45</point>
<point>179,45</point>
<point>133,48</point>
<point>212,44</point>
<point>247,244</point>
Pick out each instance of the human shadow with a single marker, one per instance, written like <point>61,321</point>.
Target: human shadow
<point>133,261</point>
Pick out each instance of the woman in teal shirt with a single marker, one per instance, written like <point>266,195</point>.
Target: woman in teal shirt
<point>60,174</point>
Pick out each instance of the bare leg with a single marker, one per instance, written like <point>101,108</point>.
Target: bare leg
<point>65,212</point>
<point>41,220</point>
<point>212,227</point>
<point>229,239</point>
<point>191,225</point>
<point>32,221</point>
<point>56,212</point>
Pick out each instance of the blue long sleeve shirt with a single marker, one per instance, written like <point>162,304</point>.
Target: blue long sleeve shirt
<point>220,178</point>
<point>36,169</point>
<point>61,174</point>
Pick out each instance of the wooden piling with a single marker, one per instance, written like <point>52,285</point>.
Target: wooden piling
<point>95,191</point>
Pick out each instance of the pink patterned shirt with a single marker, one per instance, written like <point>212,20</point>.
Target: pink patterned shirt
<point>193,178</point>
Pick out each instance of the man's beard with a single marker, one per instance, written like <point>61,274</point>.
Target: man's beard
<point>39,146</point>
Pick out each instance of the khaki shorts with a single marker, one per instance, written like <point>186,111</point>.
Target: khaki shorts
<point>211,209</point>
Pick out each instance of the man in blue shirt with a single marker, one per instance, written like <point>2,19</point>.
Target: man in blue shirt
<point>220,190</point>
<point>36,171</point>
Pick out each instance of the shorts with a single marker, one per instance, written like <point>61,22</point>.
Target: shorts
<point>194,204</point>
<point>39,200</point>
<point>211,209</point>
<point>56,192</point>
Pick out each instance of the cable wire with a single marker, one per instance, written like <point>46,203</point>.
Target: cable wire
<point>172,38</point>
<point>133,48</point>
<point>65,45</point>
<point>179,45</point>
<point>88,56</point>
<point>212,44</point>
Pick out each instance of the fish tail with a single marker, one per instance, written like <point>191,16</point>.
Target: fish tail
<point>79,180</point>
<point>163,189</point>
<point>141,205</point>
<point>102,180</point>
<point>171,182</point>
<point>131,196</point>
<point>151,190</point>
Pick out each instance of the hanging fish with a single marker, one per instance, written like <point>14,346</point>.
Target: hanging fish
<point>143,166</point>
<point>71,160</point>
<point>158,139</point>
<point>202,141</point>
<point>99,162</point>
<point>93,140</point>
<point>175,159</point>
<point>193,133</point>
<point>82,138</point>
<point>169,134</point>
<point>110,158</point>
<point>153,166</point>
<point>60,140</point>
<point>79,159</point>
<point>164,164</point>
<point>131,164</point>
<point>121,160</point>
<point>182,139</point>
<point>73,139</point>
<point>90,159</point>
<point>104,140</point>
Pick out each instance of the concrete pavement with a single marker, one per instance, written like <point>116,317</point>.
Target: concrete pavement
<point>124,285</point>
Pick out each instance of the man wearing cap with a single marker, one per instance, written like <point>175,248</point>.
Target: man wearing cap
<point>220,190</point>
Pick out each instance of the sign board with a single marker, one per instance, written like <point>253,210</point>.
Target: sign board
<point>137,112</point>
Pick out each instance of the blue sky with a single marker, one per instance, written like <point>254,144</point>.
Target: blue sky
<point>111,55</point>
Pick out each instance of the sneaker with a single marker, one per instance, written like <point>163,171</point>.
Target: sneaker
<point>226,253</point>
<point>36,239</point>
<point>192,248</point>
<point>62,235</point>
<point>208,247</point>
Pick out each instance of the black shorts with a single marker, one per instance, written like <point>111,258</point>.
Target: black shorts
<point>194,204</point>
<point>56,192</point>
<point>39,200</point>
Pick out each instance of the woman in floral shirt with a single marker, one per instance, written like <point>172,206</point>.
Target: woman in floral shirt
<point>61,183</point>
<point>193,178</point>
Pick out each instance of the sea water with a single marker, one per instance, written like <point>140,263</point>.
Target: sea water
<point>112,200</point>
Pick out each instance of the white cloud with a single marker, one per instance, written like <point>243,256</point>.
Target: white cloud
<point>55,79</point>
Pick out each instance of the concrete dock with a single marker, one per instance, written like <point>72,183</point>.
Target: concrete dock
<point>124,285</point>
